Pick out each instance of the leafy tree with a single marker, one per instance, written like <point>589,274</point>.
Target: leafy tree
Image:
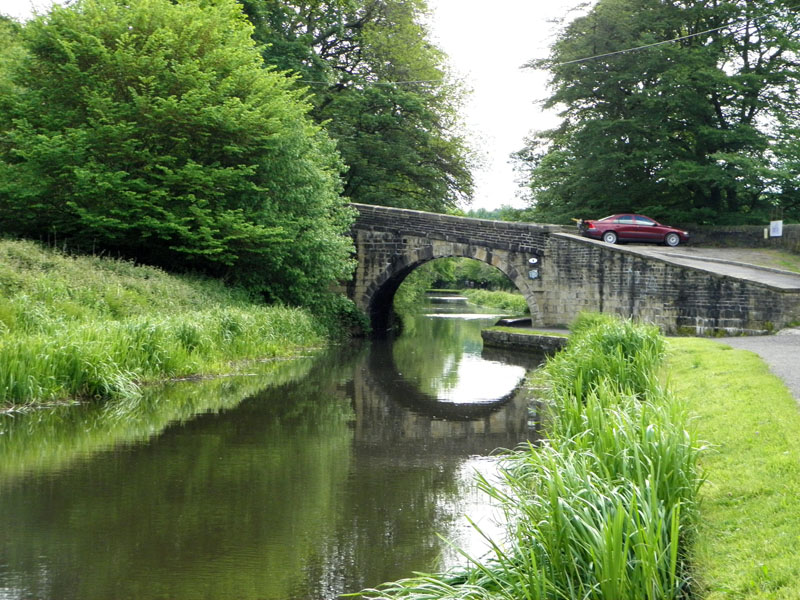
<point>681,130</point>
<point>151,129</point>
<point>503,213</point>
<point>11,52</point>
<point>380,90</point>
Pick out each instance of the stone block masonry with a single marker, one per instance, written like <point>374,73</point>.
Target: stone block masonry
<point>547,344</point>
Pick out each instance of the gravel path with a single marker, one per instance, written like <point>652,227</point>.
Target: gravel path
<point>781,352</point>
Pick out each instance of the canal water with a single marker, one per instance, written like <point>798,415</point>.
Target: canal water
<point>302,480</point>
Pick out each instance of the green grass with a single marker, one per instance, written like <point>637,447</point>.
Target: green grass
<point>89,327</point>
<point>748,540</point>
<point>605,508</point>
<point>512,302</point>
<point>783,259</point>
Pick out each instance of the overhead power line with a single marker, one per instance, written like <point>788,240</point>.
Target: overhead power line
<point>741,23</point>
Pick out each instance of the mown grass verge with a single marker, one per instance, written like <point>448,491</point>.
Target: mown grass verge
<point>512,302</point>
<point>605,508</point>
<point>88,327</point>
<point>748,540</point>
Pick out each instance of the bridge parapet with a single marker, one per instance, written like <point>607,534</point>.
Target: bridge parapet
<point>505,235</point>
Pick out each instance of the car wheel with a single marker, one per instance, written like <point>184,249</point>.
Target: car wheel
<point>609,237</point>
<point>672,239</point>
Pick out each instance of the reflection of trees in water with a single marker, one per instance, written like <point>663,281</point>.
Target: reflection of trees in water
<point>390,507</point>
<point>213,507</point>
<point>52,439</point>
<point>410,454</point>
<point>431,351</point>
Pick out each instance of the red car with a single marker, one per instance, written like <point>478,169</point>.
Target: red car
<point>631,228</point>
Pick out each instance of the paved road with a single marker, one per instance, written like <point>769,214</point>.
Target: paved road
<point>723,262</point>
<point>781,352</point>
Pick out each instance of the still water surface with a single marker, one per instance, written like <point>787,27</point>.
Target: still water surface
<point>305,480</point>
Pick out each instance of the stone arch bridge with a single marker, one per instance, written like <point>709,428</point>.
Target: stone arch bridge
<point>568,274</point>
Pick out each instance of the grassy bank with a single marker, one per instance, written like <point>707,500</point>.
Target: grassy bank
<point>604,508</point>
<point>748,540</point>
<point>84,327</point>
<point>511,302</point>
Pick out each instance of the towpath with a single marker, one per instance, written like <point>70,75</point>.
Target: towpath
<point>781,352</point>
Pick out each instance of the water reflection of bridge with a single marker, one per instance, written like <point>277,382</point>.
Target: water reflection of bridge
<point>393,414</point>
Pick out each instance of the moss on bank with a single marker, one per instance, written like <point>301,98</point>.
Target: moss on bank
<point>91,327</point>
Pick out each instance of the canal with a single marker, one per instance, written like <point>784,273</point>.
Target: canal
<point>302,480</point>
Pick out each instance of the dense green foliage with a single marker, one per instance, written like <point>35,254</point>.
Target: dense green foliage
<point>91,327</point>
<point>466,272</point>
<point>151,129</point>
<point>605,507</point>
<point>484,284</point>
<point>458,272</point>
<point>703,129</point>
<point>381,90</point>
<point>504,213</point>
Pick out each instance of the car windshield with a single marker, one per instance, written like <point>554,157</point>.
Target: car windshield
<point>609,218</point>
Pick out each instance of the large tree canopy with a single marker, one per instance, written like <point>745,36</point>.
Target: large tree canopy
<point>151,128</point>
<point>693,129</point>
<point>380,89</point>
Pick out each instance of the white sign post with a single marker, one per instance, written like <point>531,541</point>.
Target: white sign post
<point>775,228</point>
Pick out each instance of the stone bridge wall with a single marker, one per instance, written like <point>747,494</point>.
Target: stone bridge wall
<point>575,274</point>
<point>390,243</point>
<point>585,275</point>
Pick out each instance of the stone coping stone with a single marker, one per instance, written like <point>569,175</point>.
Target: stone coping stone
<point>537,342</point>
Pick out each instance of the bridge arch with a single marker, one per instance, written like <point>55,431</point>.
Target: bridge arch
<point>379,295</point>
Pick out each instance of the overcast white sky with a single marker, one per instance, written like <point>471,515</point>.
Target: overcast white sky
<point>488,42</point>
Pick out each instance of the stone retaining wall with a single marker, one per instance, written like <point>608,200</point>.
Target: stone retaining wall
<point>548,344</point>
<point>585,275</point>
